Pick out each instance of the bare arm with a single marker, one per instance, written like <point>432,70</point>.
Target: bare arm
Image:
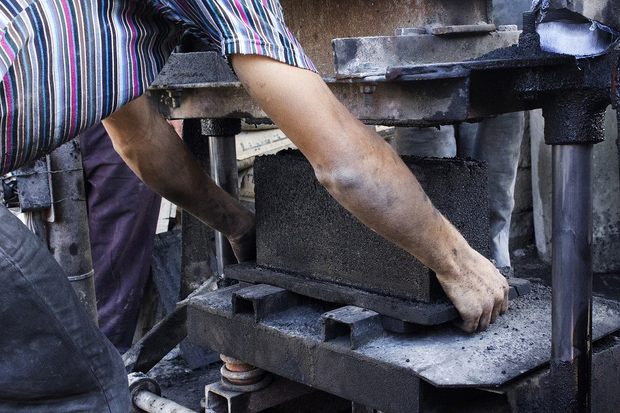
<point>154,151</point>
<point>369,179</point>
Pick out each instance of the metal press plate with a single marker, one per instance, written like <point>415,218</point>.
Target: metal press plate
<point>289,343</point>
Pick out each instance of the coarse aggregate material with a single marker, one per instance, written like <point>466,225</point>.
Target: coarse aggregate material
<point>302,229</point>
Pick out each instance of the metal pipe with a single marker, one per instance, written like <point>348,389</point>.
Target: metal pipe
<point>152,403</point>
<point>222,149</point>
<point>146,396</point>
<point>571,349</point>
<point>67,235</point>
<point>196,237</point>
<point>574,122</point>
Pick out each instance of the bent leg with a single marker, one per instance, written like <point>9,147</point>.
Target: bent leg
<point>368,178</point>
<point>153,150</point>
<point>52,356</point>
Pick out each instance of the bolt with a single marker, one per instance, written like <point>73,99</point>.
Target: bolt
<point>529,22</point>
<point>368,91</point>
<point>529,40</point>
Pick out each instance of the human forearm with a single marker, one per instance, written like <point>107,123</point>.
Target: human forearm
<point>367,177</point>
<point>389,201</point>
<point>153,150</point>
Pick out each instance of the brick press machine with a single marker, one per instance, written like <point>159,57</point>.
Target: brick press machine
<point>328,305</point>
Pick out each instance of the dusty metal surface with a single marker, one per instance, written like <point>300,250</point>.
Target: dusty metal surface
<point>33,183</point>
<point>417,312</point>
<point>603,11</point>
<point>506,80</point>
<point>221,135</point>
<point>196,237</point>
<point>534,393</point>
<point>433,102</point>
<point>67,233</point>
<point>370,56</point>
<point>316,22</point>
<point>383,371</point>
<point>290,344</point>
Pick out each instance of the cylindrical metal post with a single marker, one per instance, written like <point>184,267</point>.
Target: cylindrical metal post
<point>146,396</point>
<point>150,402</point>
<point>222,149</point>
<point>68,236</point>
<point>571,356</point>
<point>196,237</point>
<point>573,123</point>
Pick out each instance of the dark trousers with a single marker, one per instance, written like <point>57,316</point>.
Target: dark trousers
<point>122,218</point>
<point>52,356</point>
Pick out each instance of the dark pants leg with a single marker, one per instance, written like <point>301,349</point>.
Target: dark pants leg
<point>52,356</point>
<point>122,217</point>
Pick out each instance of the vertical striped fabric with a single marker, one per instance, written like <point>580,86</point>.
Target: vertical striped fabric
<point>66,64</point>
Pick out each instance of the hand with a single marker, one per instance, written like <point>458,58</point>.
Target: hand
<point>478,291</point>
<point>244,245</point>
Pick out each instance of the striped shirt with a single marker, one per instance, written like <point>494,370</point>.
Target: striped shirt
<point>67,64</point>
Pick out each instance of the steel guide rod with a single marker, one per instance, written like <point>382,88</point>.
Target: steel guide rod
<point>223,156</point>
<point>574,122</point>
<point>571,347</point>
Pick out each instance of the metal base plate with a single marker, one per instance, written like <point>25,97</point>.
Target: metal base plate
<point>384,369</point>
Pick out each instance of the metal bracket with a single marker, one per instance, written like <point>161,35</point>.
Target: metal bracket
<point>262,300</point>
<point>359,324</point>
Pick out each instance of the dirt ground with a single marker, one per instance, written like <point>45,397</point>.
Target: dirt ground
<point>186,386</point>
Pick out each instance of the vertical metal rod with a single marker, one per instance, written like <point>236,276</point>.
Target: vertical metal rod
<point>196,237</point>
<point>68,236</point>
<point>224,172</point>
<point>571,350</point>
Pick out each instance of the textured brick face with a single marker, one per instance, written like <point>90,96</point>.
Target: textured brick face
<point>302,230</point>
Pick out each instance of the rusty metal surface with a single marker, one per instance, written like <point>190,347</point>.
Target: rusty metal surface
<point>280,394</point>
<point>316,22</point>
<point>384,103</point>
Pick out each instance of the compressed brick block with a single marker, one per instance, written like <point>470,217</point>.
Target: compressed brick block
<point>303,231</point>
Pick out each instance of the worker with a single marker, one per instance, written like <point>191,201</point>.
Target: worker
<point>67,64</point>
